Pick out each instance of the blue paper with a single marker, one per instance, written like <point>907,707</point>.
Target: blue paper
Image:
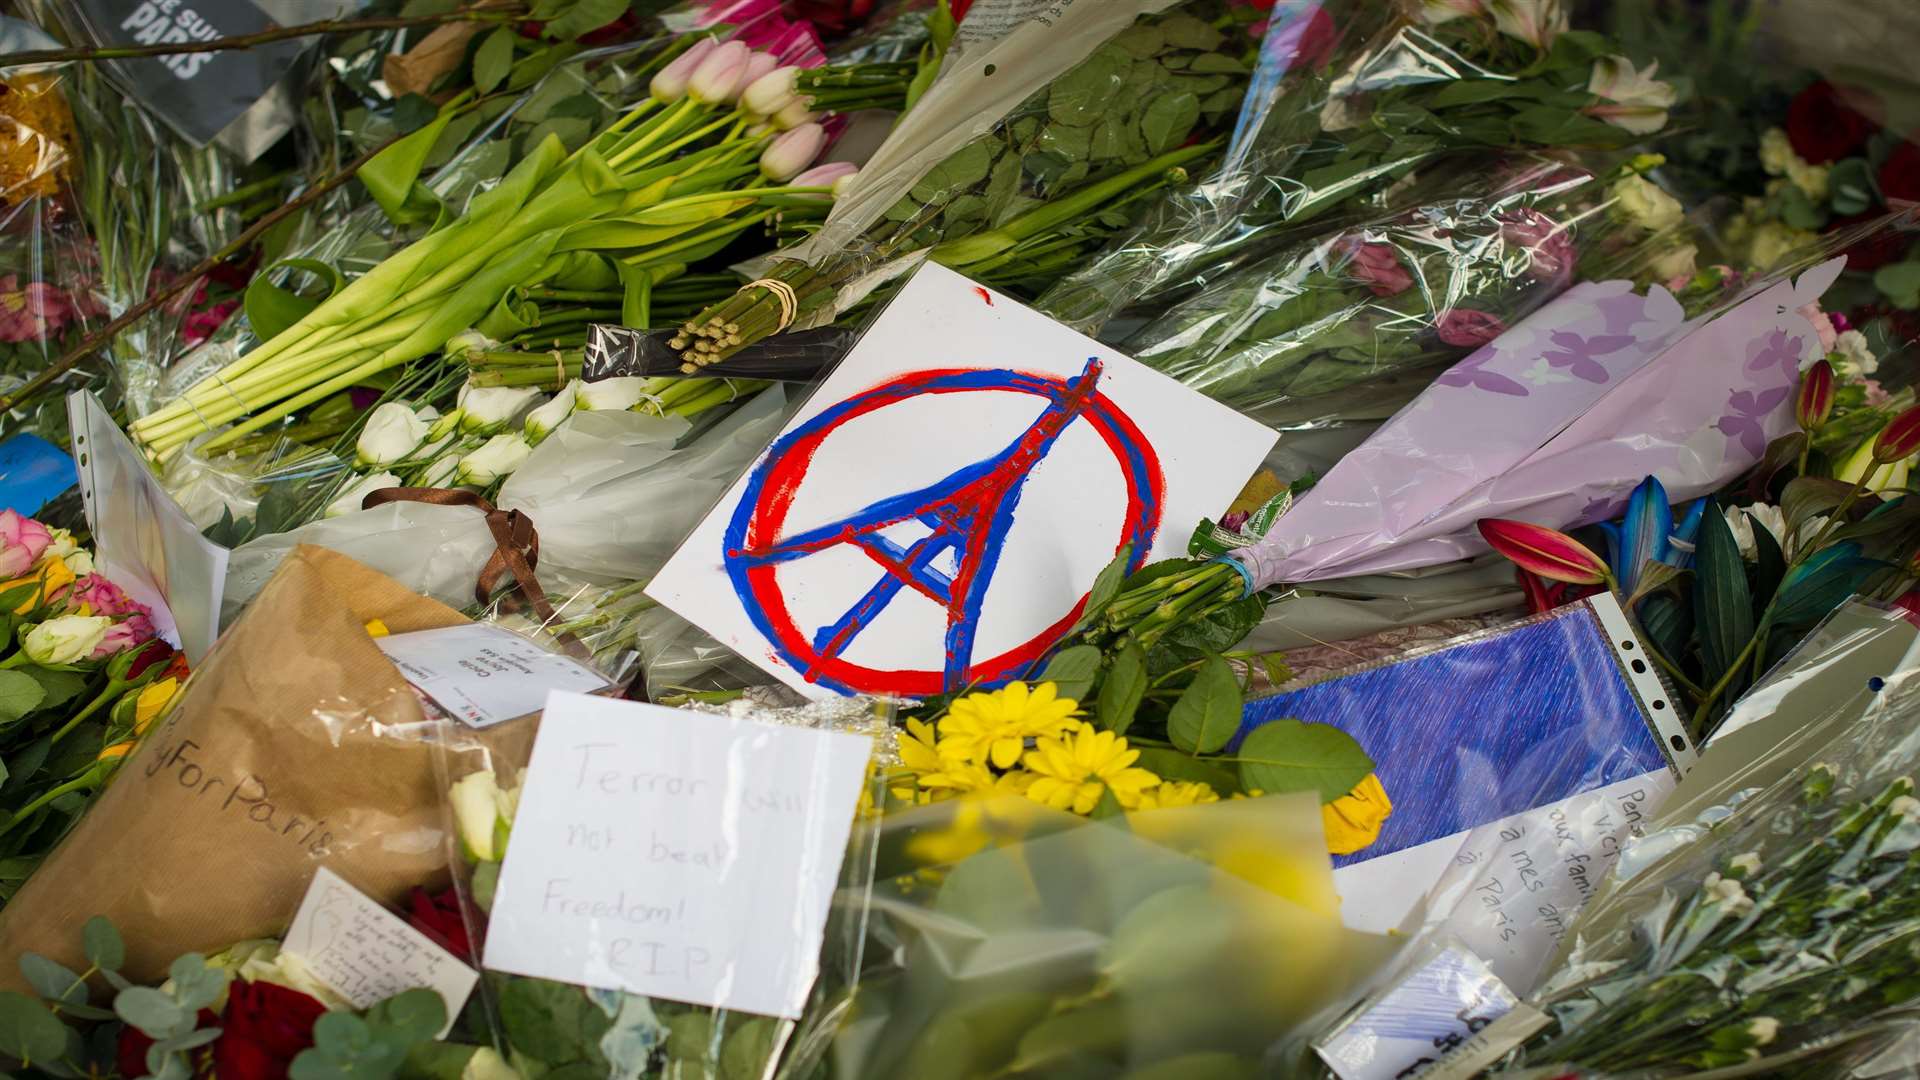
<point>33,472</point>
<point>1480,730</point>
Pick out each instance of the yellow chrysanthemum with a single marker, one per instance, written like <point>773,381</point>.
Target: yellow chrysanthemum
<point>957,777</point>
<point>1354,820</point>
<point>1170,793</point>
<point>992,727</point>
<point>918,758</point>
<point>1071,771</point>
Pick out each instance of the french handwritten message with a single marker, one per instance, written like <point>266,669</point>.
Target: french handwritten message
<point>675,854</point>
<point>484,675</point>
<point>367,953</point>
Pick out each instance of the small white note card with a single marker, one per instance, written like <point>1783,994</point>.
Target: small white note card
<point>482,674</point>
<point>366,953</point>
<point>673,854</point>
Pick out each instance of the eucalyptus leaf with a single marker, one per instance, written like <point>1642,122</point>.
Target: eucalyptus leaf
<point>29,1031</point>
<point>1208,712</point>
<point>1122,690</point>
<point>1287,755</point>
<point>51,979</point>
<point>154,1013</point>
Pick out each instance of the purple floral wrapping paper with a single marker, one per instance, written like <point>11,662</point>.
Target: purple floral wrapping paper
<point>1555,422</point>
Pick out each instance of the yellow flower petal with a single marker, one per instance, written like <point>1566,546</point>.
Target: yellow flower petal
<point>1355,819</point>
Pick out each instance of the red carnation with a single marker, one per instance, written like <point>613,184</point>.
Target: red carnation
<point>1900,175</point>
<point>438,917</point>
<point>264,1027</point>
<point>1822,127</point>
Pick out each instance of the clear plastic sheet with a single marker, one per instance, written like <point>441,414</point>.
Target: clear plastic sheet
<point>1410,292</point>
<point>628,1036</point>
<point>1772,932</point>
<point>1006,939</point>
<point>1351,102</point>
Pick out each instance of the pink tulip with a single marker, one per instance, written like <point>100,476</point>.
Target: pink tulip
<point>1542,551</point>
<point>22,542</point>
<point>758,65</point>
<point>769,93</point>
<point>717,79</point>
<point>826,176</point>
<point>792,152</point>
<point>1815,401</point>
<point>670,83</point>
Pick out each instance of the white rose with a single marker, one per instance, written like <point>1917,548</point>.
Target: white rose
<point>489,408</point>
<point>496,458</point>
<point>61,546</point>
<point>612,394</point>
<point>350,498</point>
<point>65,639</point>
<point>542,421</point>
<point>282,968</point>
<point>1640,202</point>
<point>80,562</point>
<point>391,432</point>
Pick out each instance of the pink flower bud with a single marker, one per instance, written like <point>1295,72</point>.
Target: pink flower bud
<point>717,78</point>
<point>794,114</point>
<point>670,83</point>
<point>1543,551</point>
<point>769,93</point>
<point>793,151</point>
<point>831,175</point>
<point>758,65</point>
<point>1899,439</point>
<point>1815,401</point>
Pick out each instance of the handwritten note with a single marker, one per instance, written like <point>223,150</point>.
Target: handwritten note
<point>675,854</point>
<point>367,953</point>
<point>484,675</point>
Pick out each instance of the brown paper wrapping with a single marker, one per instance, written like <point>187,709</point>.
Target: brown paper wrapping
<point>295,745</point>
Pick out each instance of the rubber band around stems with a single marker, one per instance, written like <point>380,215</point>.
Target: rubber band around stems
<point>1246,575</point>
<point>789,303</point>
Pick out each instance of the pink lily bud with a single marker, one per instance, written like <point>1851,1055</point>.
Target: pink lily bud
<point>1815,402</point>
<point>1540,550</point>
<point>769,93</point>
<point>1899,439</point>
<point>794,114</point>
<point>830,175</point>
<point>670,83</point>
<point>719,74</point>
<point>793,151</point>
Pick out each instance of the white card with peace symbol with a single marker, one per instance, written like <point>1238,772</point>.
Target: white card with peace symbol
<point>935,514</point>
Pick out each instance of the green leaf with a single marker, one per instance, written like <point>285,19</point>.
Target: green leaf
<point>1850,186</point>
<point>1108,808</point>
<point>552,1022</point>
<point>393,173</point>
<point>1073,670</point>
<point>1175,765</point>
<point>1106,585</point>
<point>1770,566</point>
<point>1900,282</point>
<point>1208,713</point>
<point>1122,690</point>
<point>1168,120</point>
<point>486,877</point>
<point>1808,497</point>
<point>271,309</point>
<point>583,17</point>
<point>1722,602</point>
<point>29,1031</point>
<point>493,59</point>
<point>153,1012</point>
<point>196,985</point>
<point>1084,93</point>
<point>1287,755</point>
<point>411,1015</point>
<point>51,979</point>
<point>60,686</point>
<point>414,112</point>
<point>744,1055</point>
<point>20,694</point>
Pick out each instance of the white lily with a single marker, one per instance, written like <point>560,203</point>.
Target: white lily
<point>1638,101</point>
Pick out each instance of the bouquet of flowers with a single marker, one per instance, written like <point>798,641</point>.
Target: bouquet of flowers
<point>1421,288</point>
<point>1398,95</point>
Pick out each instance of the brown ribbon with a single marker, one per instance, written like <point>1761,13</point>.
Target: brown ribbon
<point>516,551</point>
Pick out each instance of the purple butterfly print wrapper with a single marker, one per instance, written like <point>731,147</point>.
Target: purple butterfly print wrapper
<point>1554,422</point>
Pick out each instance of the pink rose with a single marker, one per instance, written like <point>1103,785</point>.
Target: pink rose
<point>103,597</point>
<point>125,634</point>
<point>1377,266</point>
<point>1542,238</point>
<point>1822,325</point>
<point>22,542</point>
<point>1467,327</point>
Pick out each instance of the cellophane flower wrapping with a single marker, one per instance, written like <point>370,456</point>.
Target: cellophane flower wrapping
<point>542,1025</point>
<point>1352,106</point>
<point>1398,297</point>
<point>1008,939</point>
<point>1772,929</point>
<point>1556,420</point>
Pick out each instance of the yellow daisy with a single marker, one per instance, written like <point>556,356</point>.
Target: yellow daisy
<point>1355,819</point>
<point>992,727</point>
<point>1073,769</point>
<point>1171,793</point>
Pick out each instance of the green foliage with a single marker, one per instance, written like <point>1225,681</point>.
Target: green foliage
<point>1287,755</point>
<point>374,1046</point>
<point>1207,714</point>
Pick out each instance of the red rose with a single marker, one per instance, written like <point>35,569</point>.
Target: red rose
<point>154,652</point>
<point>1466,327</point>
<point>438,917</point>
<point>264,1026</point>
<point>1874,250</point>
<point>1822,127</point>
<point>1900,175</point>
<point>131,1054</point>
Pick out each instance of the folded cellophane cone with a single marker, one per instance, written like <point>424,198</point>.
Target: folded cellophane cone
<point>296,745</point>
